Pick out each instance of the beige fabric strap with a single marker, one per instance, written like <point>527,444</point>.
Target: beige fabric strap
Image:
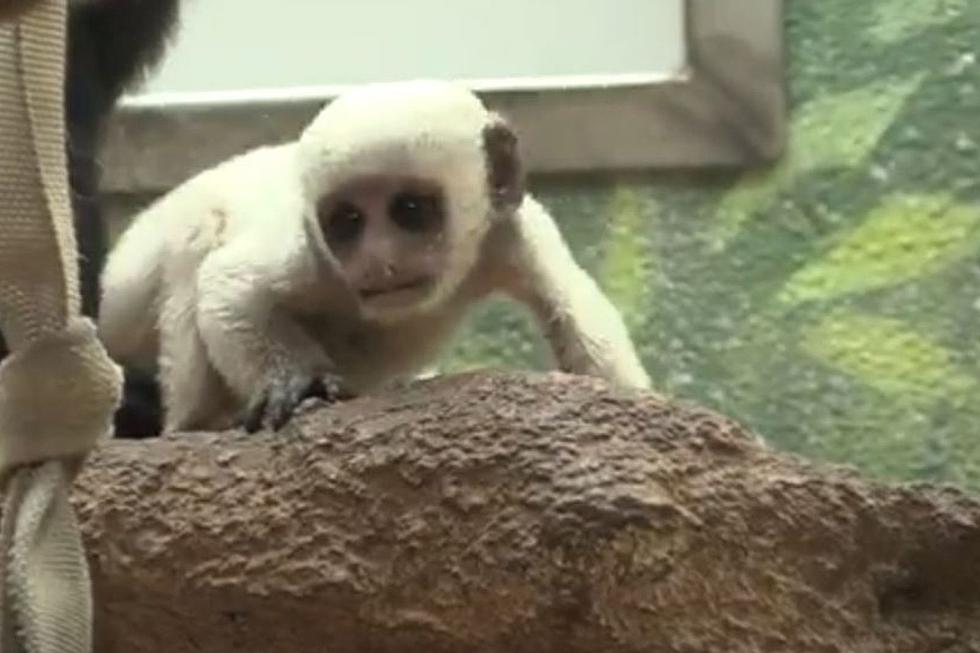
<point>47,606</point>
<point>10,9</point>
<point>58,388</point>
<point>37,248</point>
<point>57,395</point>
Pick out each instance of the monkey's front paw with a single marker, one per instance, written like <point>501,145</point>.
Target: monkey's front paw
<point>331,388</point>
<point>276,403</point>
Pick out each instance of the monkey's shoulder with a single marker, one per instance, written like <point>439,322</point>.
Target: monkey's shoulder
<point>252,194</point>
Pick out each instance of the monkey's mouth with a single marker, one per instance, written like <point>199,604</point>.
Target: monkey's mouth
<point>394,290</point>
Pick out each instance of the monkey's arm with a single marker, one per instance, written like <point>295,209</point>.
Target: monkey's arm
<point>586,332</point>
<point>254,341</point>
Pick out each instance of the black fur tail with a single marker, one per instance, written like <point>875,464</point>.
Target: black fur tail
<point>112,44</point>
<point>141,414</point>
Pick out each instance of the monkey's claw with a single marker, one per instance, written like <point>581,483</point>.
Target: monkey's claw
<point>276,403</point>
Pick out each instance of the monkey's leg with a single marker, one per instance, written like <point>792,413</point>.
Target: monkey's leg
<point>586,332</point>
<point>264,356</point>
<point>193,395</point>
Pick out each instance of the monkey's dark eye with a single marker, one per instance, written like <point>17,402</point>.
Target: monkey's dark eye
<point>413,211</point>
<point>344,223</point>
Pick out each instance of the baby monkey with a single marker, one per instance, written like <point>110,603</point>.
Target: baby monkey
<point>341,262</point>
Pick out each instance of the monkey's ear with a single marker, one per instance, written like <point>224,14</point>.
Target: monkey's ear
<point>505,172</point>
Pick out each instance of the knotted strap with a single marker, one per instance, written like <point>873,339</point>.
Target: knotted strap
<point>58,388</point>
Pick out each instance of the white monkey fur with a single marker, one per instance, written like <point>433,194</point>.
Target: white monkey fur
<point>229,275</point>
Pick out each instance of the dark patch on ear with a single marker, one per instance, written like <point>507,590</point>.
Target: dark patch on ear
<point>505,172</point>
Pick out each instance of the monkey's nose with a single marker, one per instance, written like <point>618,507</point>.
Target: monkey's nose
<point>389,269</point>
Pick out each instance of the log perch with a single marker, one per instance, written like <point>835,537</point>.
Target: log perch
<point>517,512</point>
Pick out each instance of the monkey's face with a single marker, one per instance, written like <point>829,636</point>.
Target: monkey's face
<point>388,234</point>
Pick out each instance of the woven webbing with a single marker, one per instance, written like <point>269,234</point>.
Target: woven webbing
<point>58,388</point>
<point>37,244</point>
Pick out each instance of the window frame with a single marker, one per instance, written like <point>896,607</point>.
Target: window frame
<point>726,108</point>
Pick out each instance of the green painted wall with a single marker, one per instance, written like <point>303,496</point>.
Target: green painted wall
<point>832,302</point>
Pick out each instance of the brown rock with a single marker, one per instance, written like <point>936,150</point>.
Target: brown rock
<point>513,513</point>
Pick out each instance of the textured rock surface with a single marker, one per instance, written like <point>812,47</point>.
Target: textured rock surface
<point>515,513</point>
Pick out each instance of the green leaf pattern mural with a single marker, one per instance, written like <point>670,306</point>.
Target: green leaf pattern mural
<point>830,302</point>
